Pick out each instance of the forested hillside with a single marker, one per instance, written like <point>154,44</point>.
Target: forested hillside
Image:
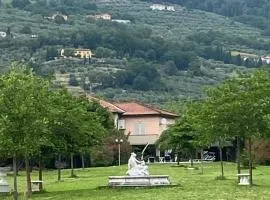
<point>253,12</point>
<point>138,53</point>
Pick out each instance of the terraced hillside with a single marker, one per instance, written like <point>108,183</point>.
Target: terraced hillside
<point>183,22</point>
<point>183,27</point>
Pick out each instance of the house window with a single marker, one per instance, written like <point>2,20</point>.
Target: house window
<point>139,128</point>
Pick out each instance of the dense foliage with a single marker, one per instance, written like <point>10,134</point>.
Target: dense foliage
<point>38,119</point>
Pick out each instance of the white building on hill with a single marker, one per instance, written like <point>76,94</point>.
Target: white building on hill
<point>158,7</point>
<point>162,7</point>
<point>170,8</point>
<point>266,59</point>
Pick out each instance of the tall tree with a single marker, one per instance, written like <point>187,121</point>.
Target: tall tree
<point>24,116</point>
<point>236,108</point>
<point>75,125</point>
<point>181,138</point>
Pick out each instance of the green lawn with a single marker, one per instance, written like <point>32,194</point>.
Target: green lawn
<point>193,185</point>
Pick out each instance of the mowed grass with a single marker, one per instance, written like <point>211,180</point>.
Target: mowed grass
<point>191,184</point>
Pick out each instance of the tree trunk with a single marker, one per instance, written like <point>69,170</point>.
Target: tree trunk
<point>178,158</point>
<point>40,177</point>
<point>71,165</point>
<point>202,161</point>
<point>82,157</point>
<point>238,158</point>
<point>59,168</point>
<point>250,161</point>
<point>191,160</point>
<point>15,193</point>
<point>28,177</point>
<point>221,162</point>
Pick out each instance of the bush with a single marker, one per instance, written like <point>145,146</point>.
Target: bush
<point>261,149</point>
<point>103,156</point>
<point>107,154</point>
<point>63,70</point>
<point>59,19</point>
<point>73,81</point>
<point>26,30</point>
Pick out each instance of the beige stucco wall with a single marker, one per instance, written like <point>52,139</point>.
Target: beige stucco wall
<point>152,128</point>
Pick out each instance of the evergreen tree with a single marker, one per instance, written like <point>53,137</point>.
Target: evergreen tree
<point>259,62</point>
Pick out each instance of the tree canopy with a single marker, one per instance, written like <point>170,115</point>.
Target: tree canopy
<point>36,116</point>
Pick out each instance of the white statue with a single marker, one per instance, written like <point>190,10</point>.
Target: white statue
<point>136,167</point>
<point>62,52</point>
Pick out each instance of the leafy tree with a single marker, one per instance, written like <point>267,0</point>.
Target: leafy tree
<point>102,52</point>
<point>24,117</point>
<point>75,125</point>
<point>170,68</point>
<point>69,52</point>
<point>59,19</point>
<point>237,60</point>
<point>237,108</point>
<point>140,75</point>
<point>51,53</point>
<point>181,138</point>
<point>259,62</point>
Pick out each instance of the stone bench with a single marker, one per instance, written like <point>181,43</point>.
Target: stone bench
<point>36,185</point>
<point>243,179</point>
<point>139,180</point>
<point>4,187</point>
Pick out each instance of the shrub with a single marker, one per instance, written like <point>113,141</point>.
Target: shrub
<point>26,29</point>
<point>107,154</point>
<point>73,81</point>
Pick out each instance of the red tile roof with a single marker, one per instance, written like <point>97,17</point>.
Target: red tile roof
<point>111,107</point>
<point>134,108</point>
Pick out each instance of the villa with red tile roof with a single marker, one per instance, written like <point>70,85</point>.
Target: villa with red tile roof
<point>143,124</point>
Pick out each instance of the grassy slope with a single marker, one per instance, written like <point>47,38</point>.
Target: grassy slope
<point>193,185</point>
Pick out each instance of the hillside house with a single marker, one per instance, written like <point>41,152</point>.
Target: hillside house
<point>266,59</point>
<point>158,7</point>
<point>162,7</point>
<point>104,16</point>
<point>143,124</point>
<point>83,53</point>
<point>65,17</point>
<point>170,8</point>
